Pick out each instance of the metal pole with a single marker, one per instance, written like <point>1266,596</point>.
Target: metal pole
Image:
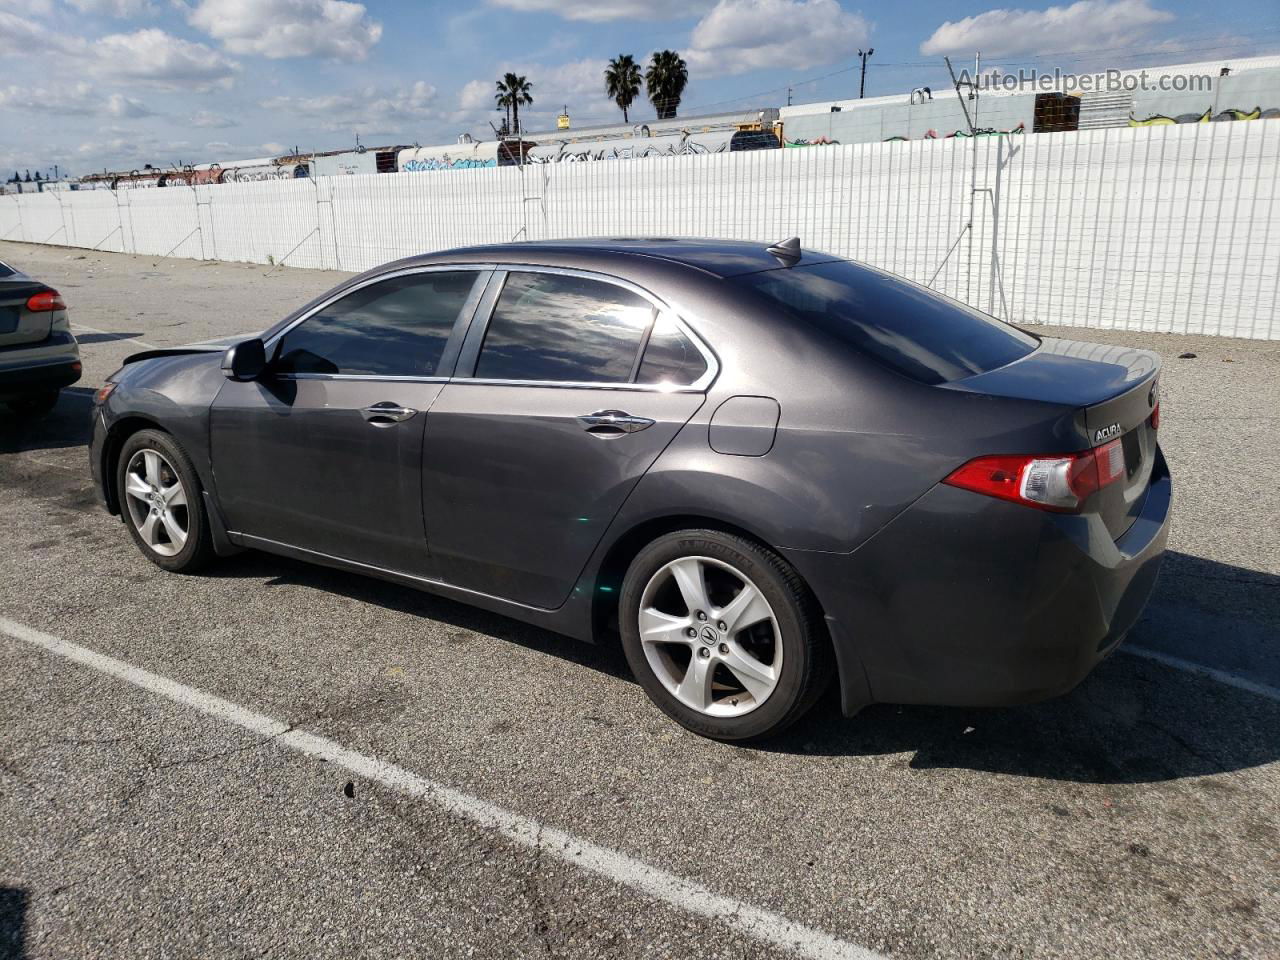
<point>973,183</point>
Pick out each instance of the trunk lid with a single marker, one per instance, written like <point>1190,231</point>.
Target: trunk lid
<point>18,325</point>
<point>1113,391</point>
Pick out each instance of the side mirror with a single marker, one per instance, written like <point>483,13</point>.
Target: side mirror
<point>245,361</point>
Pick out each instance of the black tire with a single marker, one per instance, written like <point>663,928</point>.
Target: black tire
<point>34,405</point>
<point>197,550</point>
<point>805,645</point>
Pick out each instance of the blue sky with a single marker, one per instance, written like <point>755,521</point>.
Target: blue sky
<point>89,84</point>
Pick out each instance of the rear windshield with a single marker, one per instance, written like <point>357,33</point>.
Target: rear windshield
<point>904,326</point>
<point>5,271</point>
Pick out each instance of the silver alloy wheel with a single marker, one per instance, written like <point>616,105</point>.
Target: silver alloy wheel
<point>157,502</point>
<point>710,636</point>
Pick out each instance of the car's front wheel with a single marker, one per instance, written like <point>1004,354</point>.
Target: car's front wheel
<point>160,502</point>
<point>722,634</point>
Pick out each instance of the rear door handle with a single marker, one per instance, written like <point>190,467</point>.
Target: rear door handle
<point>386,413</point>
<point>613,422</point>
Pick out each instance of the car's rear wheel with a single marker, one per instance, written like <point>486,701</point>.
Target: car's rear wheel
<point>161,502</point>
<point>722,634</point>
<point>35,404</point>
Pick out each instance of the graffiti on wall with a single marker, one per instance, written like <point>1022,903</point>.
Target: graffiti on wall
<point>928,135</point>
<point>964,134</point>
<point>1222,116</point>
<point>448,163</point>
<point>573,153</point>
<point>986,132</point>
<point>266,171</point>
<point>815,142</point>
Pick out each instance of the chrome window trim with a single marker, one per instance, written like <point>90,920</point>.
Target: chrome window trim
<point>477,268</point>
<point>661,307</point>
<point>498,272</point>
<point>358,376</point>
<point>582,385</point>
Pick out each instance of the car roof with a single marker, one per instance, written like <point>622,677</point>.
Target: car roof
<point>719,258</point>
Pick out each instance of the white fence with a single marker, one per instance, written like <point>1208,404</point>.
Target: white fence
<point>1169,228</point>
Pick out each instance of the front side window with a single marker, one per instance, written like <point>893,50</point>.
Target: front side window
<point>394,328</point>
<point>564,329</point>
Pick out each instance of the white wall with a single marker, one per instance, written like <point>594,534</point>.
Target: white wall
<point>1170,228</point>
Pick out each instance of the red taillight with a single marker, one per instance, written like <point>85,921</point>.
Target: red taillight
<point>104,391</point>
<point>1155,418</point>
<point>1061,482</point>
<point>46,301</point>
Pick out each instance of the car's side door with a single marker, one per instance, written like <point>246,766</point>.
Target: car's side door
<point>323,452</point>
<point>568,387</point>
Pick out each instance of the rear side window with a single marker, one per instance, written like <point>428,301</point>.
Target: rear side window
<point>394,328</point>
<point>5,270</point>
<point>554,327</point>
<point>670,357</point>
<point>904,326</point>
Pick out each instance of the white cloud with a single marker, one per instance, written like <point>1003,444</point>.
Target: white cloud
<point>125,150</point>
<point>77,100</point>
<point>80,99</point>
<point>144,58</point>
<point>19,35</point>
<point>210,120</point>
<point>742,35</point>
<point>118,105</point>
<point>1086,25</point>
<point>364,109</point>
<point>334,29</point>
<point>112,8</point>
<point>157,59</point>
<point>600,11</point>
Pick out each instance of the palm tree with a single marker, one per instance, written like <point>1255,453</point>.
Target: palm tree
<point>665,81</point>
<point>503,100</point>
<point>622,82</point>
<point>513,93</point>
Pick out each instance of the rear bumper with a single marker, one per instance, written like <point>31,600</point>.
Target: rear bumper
<point>965,600</point>
<point>19,380</point>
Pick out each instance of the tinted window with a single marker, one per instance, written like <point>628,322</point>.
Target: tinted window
<point>5,271</point>
<point>906,327</point>
<point>396,328</point>
<point>670,356</point>
<point>552,327</point>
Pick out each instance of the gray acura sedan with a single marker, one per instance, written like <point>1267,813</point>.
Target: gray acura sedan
<point>761,467</point>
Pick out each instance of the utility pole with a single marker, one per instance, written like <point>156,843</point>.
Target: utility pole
<point>862,85</point>
<point>788,96</point>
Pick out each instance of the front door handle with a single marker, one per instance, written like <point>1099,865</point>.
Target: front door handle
<point>613,423</point>
<point>386,413</point>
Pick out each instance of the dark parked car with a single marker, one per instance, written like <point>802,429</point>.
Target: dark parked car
<point>38,353</point>
<point>761,467</point>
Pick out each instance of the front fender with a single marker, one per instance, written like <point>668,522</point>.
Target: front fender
<point>171,393</point>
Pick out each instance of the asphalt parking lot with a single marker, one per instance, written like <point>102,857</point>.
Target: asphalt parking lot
<point>526,798</point>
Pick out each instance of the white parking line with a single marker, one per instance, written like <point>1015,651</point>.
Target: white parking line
<point>141,343</point>
<point>1230,679</point>
<point>686,895</point>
